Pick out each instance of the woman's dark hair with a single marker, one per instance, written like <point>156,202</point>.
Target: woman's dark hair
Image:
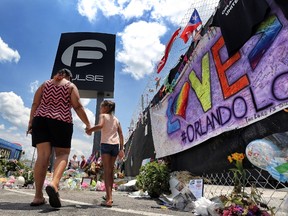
<point>67,73</point>
<point>110,105</point>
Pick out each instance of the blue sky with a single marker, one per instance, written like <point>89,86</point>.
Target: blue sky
<point>29,35</point>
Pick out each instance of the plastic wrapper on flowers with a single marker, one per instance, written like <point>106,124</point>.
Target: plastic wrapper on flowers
<point>12,182</point>
<point>100,186</point>
<point>9,183</point>
<point>71,183</point>
<point>203,206</point>
<point>74,174</point>
<point>129,186</point>
<point>85,185</point>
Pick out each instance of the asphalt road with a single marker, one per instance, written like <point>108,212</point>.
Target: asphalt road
<point>81,203</point>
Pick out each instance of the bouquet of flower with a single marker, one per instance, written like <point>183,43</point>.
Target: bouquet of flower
<point>239,202</point>
<point>239,172</point>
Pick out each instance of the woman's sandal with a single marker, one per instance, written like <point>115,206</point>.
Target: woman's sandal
<point>54,199</point>
<point>104,198</point>
<point>106,204</point>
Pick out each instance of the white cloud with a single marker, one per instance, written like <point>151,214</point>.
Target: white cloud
<point>171,10</point>
<point>85,101</point>
<point>108,8</point>
<point>2,127</point>
<point>13,128</point>
<point>76,120</point>
<point>33,86</point>
<point>87,8</point>
<point>81,147</point>
<point>137,59</point>
<point>7,54</point>
<point>136,8</point>
<point>13,110</point>
<point>79,124</point>
<point>90,8</point>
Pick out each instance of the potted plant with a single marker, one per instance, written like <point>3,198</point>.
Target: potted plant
<point>154,178</point>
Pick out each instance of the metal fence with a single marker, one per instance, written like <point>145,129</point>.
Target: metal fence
<point>273,193</point>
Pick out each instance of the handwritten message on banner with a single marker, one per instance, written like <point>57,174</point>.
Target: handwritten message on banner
<point>217,93</point>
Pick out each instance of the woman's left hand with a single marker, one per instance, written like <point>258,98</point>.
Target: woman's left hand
<point>29,129</point>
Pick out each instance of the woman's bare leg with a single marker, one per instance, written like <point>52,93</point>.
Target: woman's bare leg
<point>61,161</point>
<point>40,169</point>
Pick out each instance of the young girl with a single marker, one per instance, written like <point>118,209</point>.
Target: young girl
<point>111,144</point>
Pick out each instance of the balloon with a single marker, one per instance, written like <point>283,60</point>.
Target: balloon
<point>20,180</point>
<point>261,153</point>
<point>276,175</point>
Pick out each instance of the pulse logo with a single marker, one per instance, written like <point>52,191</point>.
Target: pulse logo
<point>83,53</point>
<point>91,58</point>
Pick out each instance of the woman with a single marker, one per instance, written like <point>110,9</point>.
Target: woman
<point>111,145</point>
<point>51,126</point>
<point>83,163</point>
<point>73,163</point>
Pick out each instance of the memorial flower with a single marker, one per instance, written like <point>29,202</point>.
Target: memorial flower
<point>239,202</point>
<point>239,175</point>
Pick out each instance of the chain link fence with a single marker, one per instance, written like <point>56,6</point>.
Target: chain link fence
<point>273,193</point>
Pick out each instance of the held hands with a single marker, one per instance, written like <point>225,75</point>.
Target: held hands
<point>88,130</point>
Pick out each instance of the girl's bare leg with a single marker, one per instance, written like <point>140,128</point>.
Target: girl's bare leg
<point>108,164</point>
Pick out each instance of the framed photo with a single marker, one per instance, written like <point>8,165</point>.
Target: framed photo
<point>86,180</point>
